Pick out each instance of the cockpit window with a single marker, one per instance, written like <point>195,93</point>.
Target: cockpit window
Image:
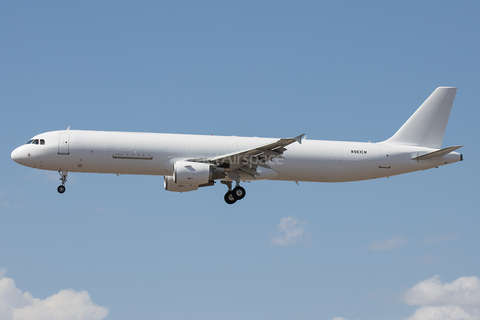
<point>36,141</point>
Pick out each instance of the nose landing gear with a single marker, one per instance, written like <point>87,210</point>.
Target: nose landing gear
<point>63,175</point>
<point>238,193</point>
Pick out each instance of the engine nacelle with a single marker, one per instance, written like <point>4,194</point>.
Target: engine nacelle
<point>191,172</point>
<point>189,176</point>
<point>170,185</point>
<point>185,172</point>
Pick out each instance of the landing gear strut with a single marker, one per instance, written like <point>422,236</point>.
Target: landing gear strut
<point>238,193</point>
<point>63,175</point>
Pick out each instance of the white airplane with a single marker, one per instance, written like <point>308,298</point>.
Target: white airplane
<point>188,162</point>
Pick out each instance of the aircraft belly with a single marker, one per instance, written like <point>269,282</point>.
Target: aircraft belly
<point>323,170</point>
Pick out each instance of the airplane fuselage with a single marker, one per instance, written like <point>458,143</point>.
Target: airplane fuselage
<point>155,154</point>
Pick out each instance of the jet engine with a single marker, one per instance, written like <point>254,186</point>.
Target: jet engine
<point>170,185</point>
<point>189,176</point>
<point>186,172</point>
<point>191,172</point>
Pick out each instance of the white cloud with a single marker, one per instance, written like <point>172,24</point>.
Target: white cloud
<point>65,305</point>
<point>388,245</point>
<point>449,312</point>
<point>464,291</point>
<point>339,318</point>
<point>457,300</point>
<point>291,232</point>
<point>440,237</point>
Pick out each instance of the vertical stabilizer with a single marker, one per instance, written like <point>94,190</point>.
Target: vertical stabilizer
<point>426,127</point>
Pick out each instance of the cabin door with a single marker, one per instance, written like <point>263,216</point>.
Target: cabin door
<point>384,158</point>
<point>63,147</point>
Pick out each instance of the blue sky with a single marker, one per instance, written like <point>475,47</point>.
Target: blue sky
<point>338,70</point>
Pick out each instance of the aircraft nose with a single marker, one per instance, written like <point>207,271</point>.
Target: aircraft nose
<point>17,155</point>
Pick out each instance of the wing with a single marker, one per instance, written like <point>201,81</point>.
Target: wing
<point>248,160</point>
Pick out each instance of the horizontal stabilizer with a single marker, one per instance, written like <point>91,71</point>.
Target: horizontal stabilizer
<point>436,154</point>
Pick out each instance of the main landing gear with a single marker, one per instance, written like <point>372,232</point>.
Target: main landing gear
<point>63,175</point>
<point>238,193</point>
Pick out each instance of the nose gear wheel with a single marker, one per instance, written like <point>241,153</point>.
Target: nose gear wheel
<point>63,175</point>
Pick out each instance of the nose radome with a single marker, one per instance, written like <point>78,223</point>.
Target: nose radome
<point>17,155</point>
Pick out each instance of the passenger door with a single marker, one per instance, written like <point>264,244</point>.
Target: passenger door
<point>63,147</point>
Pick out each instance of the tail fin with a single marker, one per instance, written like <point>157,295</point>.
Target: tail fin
<point>426,127</point>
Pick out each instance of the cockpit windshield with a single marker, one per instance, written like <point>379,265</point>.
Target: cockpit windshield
<point>36,141</point>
